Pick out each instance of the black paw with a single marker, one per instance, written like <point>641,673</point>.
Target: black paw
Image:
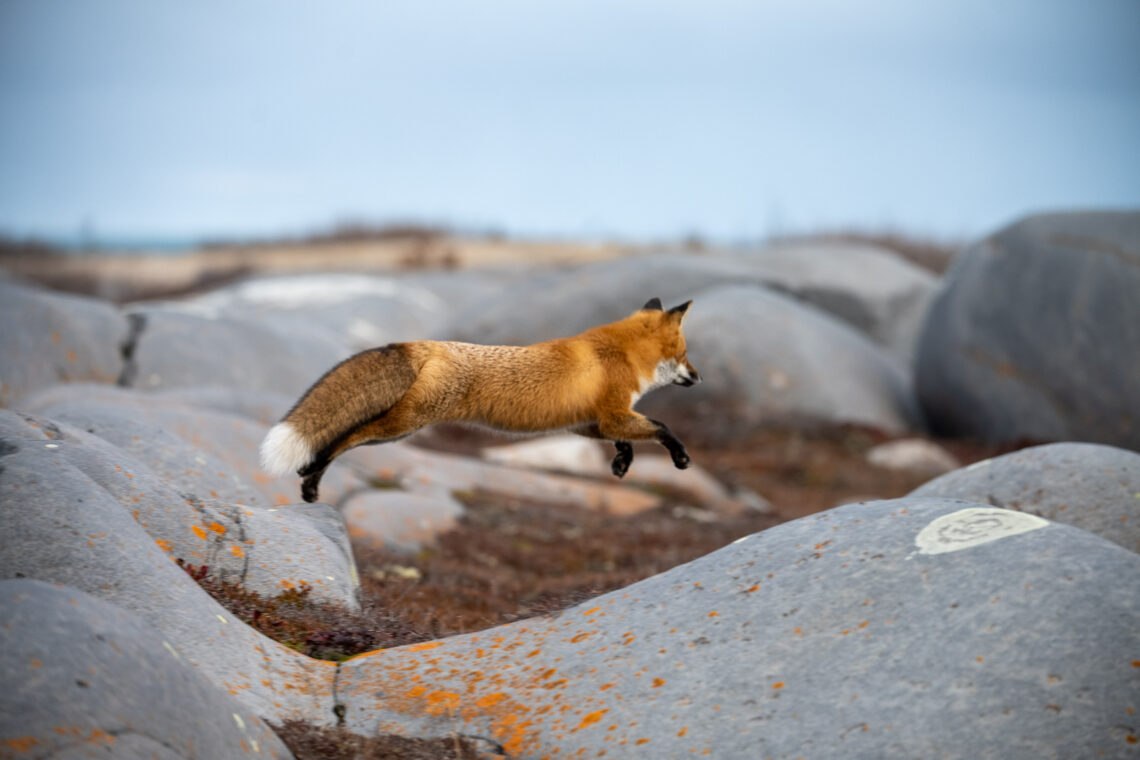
<point>309,491</point>
<point>681,460</point>
<point>620,465</point>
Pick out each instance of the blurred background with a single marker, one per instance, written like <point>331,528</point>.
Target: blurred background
<point>134,124</point>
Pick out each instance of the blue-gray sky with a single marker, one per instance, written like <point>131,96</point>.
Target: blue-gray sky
<point>156,118</point>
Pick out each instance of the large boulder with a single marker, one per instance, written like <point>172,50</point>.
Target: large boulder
<point>59,525</point>
<point>1035,334</point>
<point>873,289</point>
<point>84,678</point>
<point>900,629</point>
<point>177,346</point>
<point>265,549</point>
<point>1094,487</point>
<point>558,304</point>
<point>764,357</point>
<point>359,310</point>
<point>54,338</point>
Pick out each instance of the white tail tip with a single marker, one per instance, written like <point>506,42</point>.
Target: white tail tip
<point>284,450</point>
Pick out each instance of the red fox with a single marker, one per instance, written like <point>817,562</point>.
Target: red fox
<point>587,384</point>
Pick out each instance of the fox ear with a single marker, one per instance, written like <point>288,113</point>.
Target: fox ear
<point>653,304</point>
<point>681,311</point>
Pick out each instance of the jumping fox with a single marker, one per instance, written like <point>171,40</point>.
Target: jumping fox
<point>586,384</point>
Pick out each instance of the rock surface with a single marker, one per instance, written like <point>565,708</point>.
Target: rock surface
<point>204,452</point>
<point>558,304</point>
<point>1095,488</point>
<point>916,455</point>
<point>398,519</point>
<point>873,289</point>
<point>563,453</point>
<point>901,629</point>
<point>176,348</point>
<point>84,678</point>
<point>433,473</point>
<point>60,526</point>
<point>360,310</point>
<point>1035,335</point>
<point>54,338</point>
<point>266,549</point>
<point>801,367</point>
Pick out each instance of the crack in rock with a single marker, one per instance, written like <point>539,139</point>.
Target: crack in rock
<point>136,324</point>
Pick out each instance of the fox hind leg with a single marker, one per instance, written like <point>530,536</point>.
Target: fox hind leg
<point>391,426</point>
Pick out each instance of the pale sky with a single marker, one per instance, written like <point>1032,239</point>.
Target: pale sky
<point>643,120</point>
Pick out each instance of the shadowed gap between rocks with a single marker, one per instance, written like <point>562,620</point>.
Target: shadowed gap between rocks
<point>136,324</point>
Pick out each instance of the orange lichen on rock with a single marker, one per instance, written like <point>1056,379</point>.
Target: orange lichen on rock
<point>490,700</point>
<point>21,743</point>
<point>423,646</point>
<point>439,702</point>
<point>591,718</point>
<point>218,528</point>
<point>198,532</point>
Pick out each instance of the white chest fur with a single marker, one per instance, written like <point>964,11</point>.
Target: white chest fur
<point>663,374</point>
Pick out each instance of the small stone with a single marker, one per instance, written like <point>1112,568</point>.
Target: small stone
<point>915,455</point>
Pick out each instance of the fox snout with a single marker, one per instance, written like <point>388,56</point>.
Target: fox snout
<point>686,375</point>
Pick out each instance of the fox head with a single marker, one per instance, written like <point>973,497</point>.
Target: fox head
<point>672,361</point>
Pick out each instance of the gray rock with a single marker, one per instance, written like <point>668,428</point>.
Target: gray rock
<point>567,453</point>
<point>179,349</point>
<point>1035,334</point>
<point>260,406</point>
<point>52,338</point>
<point>873,289</point>
<point>203,452</point>
<point>435,474</point>
<point>60,526</point>
<point>554,305</point>
<point>398,519</point>
<point>85,678</point>
<point>916,455</point>
<point>361,310</point>
<point>265,549</point>
<point>585,457</point>
<point>901,629</point>
<point>263,407</point>
<point>1095,488</point>
<point>764,357</point>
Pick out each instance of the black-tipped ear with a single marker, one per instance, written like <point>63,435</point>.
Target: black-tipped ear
<point>682,309</point>
<point>653,304</point>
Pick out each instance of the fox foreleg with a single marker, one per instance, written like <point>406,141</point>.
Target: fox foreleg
<point>632,426</point>
<point>624,457</point>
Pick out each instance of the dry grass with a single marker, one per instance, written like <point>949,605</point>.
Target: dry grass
<point>308,742</point>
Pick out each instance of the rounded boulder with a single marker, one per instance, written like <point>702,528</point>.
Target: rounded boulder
<point>1035,334</point>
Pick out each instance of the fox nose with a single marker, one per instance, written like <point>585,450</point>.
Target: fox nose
<point>688,377</point>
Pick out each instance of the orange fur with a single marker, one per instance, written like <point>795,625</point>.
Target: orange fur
<point>587,383</point>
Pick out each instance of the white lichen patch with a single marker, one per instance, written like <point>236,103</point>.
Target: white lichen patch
<point>972,527</point>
